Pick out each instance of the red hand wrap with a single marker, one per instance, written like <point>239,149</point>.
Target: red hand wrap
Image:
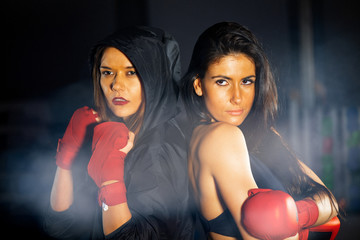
<point>332,226</point>
<point>308,214</point>
<point>107,162</point>
<point>75,135</point>
<point>269,214</point>
<point>112,194</point>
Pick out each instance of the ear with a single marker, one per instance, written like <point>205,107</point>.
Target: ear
<point>197,87</point>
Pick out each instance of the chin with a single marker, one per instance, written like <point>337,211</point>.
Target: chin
<point>118,114</point>
<point>235,122</point>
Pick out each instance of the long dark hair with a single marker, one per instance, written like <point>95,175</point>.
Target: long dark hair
<point>262,138</point>
<point>216,42</point>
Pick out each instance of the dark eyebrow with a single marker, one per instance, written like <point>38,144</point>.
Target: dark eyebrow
<point>251,76</point>
<point>105,67</point>
<point>220,76</point>
<point>128,67</point>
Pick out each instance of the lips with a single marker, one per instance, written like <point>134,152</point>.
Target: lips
<point>236,112</point>
<point>119,101</point>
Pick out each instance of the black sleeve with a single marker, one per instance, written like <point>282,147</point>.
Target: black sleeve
<point>157,190</point>
<point>77,222</point>
<point>59,224</point>
<point>80,221</point>
<point>137,227</point>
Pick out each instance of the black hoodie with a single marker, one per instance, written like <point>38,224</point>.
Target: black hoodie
<point>155,171</point>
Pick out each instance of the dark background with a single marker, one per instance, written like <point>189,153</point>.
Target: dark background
<point>47,78</point>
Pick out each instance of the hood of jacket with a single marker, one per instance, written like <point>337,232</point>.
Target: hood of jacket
<point>156,57</point>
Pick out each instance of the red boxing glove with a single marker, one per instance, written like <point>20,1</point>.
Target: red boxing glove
<point>308,214</point>
<point>331,226</point>
<point>75,135</point>
<point>269,214</point>
<point>107,161</point>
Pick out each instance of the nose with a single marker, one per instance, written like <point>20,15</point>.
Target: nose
<point>118,84</point>
<point>236,95</point>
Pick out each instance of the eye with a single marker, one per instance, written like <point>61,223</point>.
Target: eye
<point>106,73</point>
<point>247,81</point>
<point>131,73</point>
<point>221,82</point>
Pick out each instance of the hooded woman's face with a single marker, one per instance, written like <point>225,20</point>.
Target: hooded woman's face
<point>120,83</point>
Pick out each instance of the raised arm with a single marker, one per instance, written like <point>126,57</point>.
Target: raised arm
<point>111,143</point>
<point>156,202</point>
<point>224,152</point>
<point>75,136</point>
<point>117,215</point>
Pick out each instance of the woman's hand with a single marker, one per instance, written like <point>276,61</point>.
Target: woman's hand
<point>270,214</point>
<point>130,143</point>
<point>107,161</point>
<point>76,135</point>
<point>125,150</point>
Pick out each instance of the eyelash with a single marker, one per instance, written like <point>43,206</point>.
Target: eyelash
<point>249,82</point>
<point>107,73</point>
<point>221,80</point>
<point>131,73</point>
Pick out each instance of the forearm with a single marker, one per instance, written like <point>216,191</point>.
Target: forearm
<point>327,209</point>
<point>115,216</point>
<point>61,196</point>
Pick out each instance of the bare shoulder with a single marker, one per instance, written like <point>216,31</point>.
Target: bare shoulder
<point>219,140</point>
<point>217,131</point>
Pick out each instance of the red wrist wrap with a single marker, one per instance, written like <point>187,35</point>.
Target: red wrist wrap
<point>308,213</point>
<point>112,194</point>
<point>65,155</point>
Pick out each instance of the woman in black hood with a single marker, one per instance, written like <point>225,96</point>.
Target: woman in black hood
<point>155,169</point>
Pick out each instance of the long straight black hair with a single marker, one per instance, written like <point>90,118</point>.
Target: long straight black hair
<point>263,141</point>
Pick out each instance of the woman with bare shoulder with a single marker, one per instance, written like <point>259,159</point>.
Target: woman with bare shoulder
<point>247,183</point>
